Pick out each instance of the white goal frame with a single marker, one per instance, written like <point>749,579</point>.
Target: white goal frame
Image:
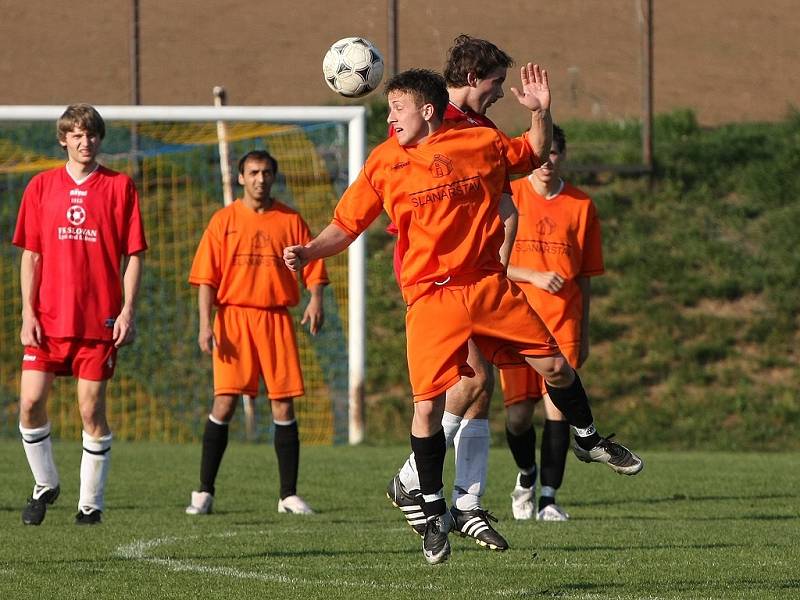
<point>353,116</point>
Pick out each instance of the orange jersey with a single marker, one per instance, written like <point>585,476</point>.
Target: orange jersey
<point>561,234</point>
<point>443,196</point>
<point>241,256</point>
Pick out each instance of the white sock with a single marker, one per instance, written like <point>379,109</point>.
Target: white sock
<point>450,424</point>
<point>95,461</point>
<point>547,491</point>
<point>409,476</point>
<point>472,462</point>
<point>39,452</point>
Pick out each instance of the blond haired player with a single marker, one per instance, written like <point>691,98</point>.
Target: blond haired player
<point>76,225</point>
<point>446,188</point>
<point>239,269</point>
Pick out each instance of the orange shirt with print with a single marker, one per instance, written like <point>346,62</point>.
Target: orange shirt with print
<point>443,196</point>
<point>241,256</point>
<point>560,234</point>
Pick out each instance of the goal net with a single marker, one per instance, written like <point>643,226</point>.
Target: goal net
<point>162,389</point>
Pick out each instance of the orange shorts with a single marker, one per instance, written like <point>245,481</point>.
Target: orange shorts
<point>522,383</point>
<point>253,342</point>
<point>85,359</point>
<point>492,311</point>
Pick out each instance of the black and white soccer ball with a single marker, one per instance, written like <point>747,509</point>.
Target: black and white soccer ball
<point>353,67</point>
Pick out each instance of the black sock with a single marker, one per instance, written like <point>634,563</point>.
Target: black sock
<point>555,444</point>
<point>429,454</point>
<point>574,405</point>
<point>523,449</point>
<point>215,440</point>
<point>287,449</point>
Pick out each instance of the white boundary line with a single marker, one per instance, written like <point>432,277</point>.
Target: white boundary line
<point>140,549</point>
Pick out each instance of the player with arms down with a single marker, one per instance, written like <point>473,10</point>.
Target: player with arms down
<point>557,249</point>
<point>446,188</point>
<point>76,225</point>
<point>239,268</point>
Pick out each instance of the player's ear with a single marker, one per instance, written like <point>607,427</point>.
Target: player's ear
<point>428,111</point>
<point>472,79</point>
<point>241,179</point>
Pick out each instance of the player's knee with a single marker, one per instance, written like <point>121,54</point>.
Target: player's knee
<point>283,409</point>
<point>224,408</point>
<point>519,415</point>
<point>556,371</point>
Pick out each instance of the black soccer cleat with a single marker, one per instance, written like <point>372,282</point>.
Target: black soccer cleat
<point>435,545</point>
<point>409,503</point>
<point>36,508</point>
<point>93,517</point>
<point>476,524</point>
<point>613,454</point>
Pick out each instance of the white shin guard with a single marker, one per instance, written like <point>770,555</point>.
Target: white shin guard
<point>472,461</point>
<point>409,476</point>
<point>39,452</point>
<point>94,472</point>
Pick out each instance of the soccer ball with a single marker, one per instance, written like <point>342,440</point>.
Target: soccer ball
<point>353,67</point>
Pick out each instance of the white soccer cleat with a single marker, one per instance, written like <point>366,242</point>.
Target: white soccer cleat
<point>552,512</point>
<point>202,503</point>
<point>522,502</point>
<point>294,504</point>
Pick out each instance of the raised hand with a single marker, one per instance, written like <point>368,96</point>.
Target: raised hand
<point>535,94</point>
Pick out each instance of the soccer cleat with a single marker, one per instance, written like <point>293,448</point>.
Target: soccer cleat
<point>552,512</point>
<point>435,545</point>
<point>475,524</point>
<point>93,517</point>
<point>294,504</point>
<point>615,455</point>
<point>409,503</point>
<point>202,504</point>
<point>36,508</point>
<point>522,500</point>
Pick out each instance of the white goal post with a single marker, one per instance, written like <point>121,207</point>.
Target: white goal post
<point>353,116</point>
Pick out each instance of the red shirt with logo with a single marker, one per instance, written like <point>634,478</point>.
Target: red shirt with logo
<point>82,231</point>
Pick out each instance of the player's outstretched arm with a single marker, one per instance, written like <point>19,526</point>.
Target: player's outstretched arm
<point>535,96</point>
<point>30,276</point>
<point>332,240</point>
<point>125,323</point>
<point>206,296</point>
<point>314,314</point>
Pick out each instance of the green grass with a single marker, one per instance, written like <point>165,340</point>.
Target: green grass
<point>692,525</point>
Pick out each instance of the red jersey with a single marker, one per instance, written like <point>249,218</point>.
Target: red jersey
<point>560,234</point>
<point>241,256</point>
<point>443,195</point>
<point>82,231</point>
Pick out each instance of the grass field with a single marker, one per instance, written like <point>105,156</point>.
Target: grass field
<point>692,525</point>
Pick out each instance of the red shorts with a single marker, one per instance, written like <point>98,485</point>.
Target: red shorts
<point>492,311</point>
<point>523,383</point>
<point>253,342</point>
<point>85,359</point>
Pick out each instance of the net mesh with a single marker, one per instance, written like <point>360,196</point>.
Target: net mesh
<point>162,389</point>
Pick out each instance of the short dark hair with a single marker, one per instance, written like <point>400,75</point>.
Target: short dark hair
<point>473,55</point>
<point>559,139</point>
<point>424,85</point>
<point>259,155</point>
<point>83,116</point>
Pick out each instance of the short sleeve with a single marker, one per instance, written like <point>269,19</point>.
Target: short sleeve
<point>134,239</point>
<point>592,245</point>
<point>206,266</point>
<point>27,233</point>
<point>359,206</point>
